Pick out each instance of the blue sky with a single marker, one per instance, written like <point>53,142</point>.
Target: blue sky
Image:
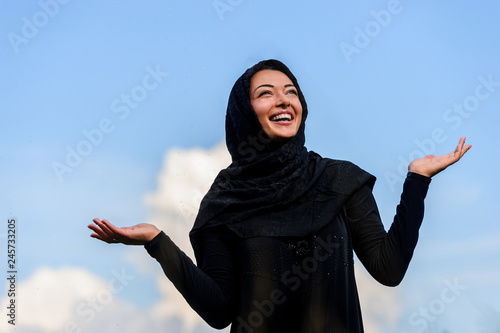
<point>123,83</point>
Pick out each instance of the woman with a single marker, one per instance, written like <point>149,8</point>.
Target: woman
<point>275,234</point>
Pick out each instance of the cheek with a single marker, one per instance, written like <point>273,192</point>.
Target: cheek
<point>298,110</point>
<point>260,110</point>
<point>261,115</point>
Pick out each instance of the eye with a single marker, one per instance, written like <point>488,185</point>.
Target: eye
<point>292,91</point>
<point>265,92</point>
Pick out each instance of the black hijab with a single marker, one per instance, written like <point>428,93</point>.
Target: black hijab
<point>273,189</point>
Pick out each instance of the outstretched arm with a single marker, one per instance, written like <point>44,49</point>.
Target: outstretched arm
<point>209,289</point>
<point>386,255</point>
<point>139,234</point>
<point>431,165</point>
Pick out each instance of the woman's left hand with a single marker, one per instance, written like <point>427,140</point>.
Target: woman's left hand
<point>431,165</point>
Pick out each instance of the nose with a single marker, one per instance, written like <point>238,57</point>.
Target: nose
<point>282,100</point>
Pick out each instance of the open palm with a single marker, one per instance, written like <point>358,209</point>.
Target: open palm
<point>138,234</point>
<point>431,165</point>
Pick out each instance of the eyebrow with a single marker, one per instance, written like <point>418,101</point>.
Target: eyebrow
<point>272,86</point>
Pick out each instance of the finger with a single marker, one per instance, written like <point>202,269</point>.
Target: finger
<point>466,148</point>
<point>101,235</point>
<point>105,238</point>
<point>103,231</point>
<point>118,233</point>
<point>96,236</point>
<point>463,147</point>
<point>457,153</point>
<point>93,227</point>
<point>97,232</point>
<point>460,145</point>
<point>104,225</point>
<point>111,227</point>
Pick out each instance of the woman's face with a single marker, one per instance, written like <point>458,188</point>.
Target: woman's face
<point>276,102</point>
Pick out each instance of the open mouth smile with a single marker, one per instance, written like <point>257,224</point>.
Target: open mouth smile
<point>282,117</point>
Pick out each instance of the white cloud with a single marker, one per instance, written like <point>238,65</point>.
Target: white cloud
<point>73,300</point>
<point>48,292</point>
<point>185,178</point>
<point>380,305</point>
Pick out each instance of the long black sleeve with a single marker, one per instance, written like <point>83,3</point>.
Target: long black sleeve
<point>386,255</point>
<point>209,288</point>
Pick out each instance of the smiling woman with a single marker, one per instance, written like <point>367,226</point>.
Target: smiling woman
<point>275,100</point>
<point>275,234</point>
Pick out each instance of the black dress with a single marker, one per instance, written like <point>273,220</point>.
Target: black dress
<point>296,284</point>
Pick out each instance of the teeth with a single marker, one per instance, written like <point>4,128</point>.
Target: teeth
<point>283,116</point>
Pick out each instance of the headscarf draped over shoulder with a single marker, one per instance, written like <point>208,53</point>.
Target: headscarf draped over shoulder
<point>273,189</point>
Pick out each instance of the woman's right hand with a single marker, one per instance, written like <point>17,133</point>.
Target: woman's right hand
<point>139,234</point>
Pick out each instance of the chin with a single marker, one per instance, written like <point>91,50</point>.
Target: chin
<point>282,138</point>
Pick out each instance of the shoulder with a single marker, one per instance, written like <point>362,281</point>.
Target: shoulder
<point>342,176</point>
<point>340,166</point>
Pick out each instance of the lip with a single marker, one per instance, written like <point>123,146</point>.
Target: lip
<point>286,122</point>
